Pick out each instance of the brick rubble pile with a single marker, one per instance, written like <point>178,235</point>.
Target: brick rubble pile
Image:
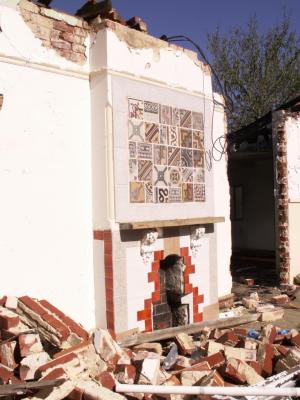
<point>39,343</point>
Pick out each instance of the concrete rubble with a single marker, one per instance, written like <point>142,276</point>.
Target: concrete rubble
<point>39,344</point>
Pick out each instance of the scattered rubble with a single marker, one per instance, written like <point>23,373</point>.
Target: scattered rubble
<point>45,354</point>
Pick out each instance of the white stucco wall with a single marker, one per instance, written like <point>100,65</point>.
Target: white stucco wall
<point>45,174</point>
<point>292,126</point>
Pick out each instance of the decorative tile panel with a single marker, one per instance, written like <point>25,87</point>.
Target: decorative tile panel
<point>151,132</point>
<point>166,153</point>
<point>151,111</point>
<point>136,109</point>
<point>160,154</point>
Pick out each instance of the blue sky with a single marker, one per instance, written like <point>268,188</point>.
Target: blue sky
<point>196,18</point>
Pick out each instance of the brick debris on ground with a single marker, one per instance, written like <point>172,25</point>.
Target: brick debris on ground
<point>39,343</point>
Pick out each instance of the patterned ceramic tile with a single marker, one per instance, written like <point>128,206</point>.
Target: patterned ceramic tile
<point>144,150</point>
<point>176,116</point>
<point>186,137</point>
<point>199,192</point>
<point>185,118</point>
<point>166,153</point>
<point>175,195</point>
<point>186,157</point>
<point>162,195</point>
<point>163,134</point>
<point>137,192</point>
<point>145,169</point>
<point>151,111</point>
<point>133,170</point>
<point>187,174</point>
<point>198,159</point>
<point>165,115</point>
<point>199,175</point>
<point>160,175</point>
<point>174,137</point>
<point>174,156</point>
<point>151,132</point>
<point>132,150</point>
<point>149,192</point>
<point>136,108</point>
<point>174,176</point>
<point>187,192</point>
<point>198,140</point>
<point>136,130</point>
<point>198,121</point>
<point>160,154</point>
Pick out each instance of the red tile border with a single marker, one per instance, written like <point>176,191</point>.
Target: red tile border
<point>98,235</point>
<point>106,236</point>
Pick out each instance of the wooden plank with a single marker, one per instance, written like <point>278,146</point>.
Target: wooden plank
<point>189,329</point>
<point>7,390</point>
<point>170,223</point>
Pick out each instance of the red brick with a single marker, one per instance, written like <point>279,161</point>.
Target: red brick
<point>3,301</point>
<point>256,366</point>
<point>153,276</point>
<point>198,317</point>
<point>190,269</point>
<point>33,305</point>
<point>74,349</point>
<point>57,325</point>
<point>56,362</point>
<point>265,358</point>
<point>282,350</point>
<point>195,291</point>
<point>107,234</point>
<point>198,299</point>
<point>108,261</point>
<point>108,247</point>
<point>296,340</point>
<point>184,251</point>
<point>70,323</point>
<point>8,322</point>
<point>143,315</point>
<point>106,380</point>
<point>109,294</point>
<point>57,373</point>
<point>155,266</point>
<point>148,304</point>
<point>215,360</point>
<point>63,26</point>
<point>76,394</point>
<point>187,261</point>
<point>229,339</point>
<point>148,325</point>
<point>188,288</point>
<point>5,374</point>
<point>280,299</point>
<point>158,255</point>
<point>155,296</point>
<point>98,235</point>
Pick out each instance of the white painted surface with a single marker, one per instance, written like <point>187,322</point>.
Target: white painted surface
<point>45,174</point>
<point>292,127</point>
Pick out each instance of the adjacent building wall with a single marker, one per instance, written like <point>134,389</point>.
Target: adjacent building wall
<point>292,127</point>
<point>45,173</point>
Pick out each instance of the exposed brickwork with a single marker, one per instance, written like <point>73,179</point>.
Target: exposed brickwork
<point>106,236</point>
<point>188,287</point>
<point>65,34</point>
<point>281,184</point>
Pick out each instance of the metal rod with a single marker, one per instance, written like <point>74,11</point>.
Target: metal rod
<point>197,390</point>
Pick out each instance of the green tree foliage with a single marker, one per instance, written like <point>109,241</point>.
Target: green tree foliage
<point>259,71</point>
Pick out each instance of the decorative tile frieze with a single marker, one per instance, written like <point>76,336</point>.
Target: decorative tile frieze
<point>166,153</point>
<point>136,109</point>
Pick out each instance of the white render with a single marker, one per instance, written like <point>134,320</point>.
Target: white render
<point>63,168</point>
<point>292,127</point>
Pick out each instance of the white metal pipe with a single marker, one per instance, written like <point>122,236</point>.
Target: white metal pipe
<point>211,390</point>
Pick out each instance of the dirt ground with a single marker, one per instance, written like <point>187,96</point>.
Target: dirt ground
<point>291,317</point>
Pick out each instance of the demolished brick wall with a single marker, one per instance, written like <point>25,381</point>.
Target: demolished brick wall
<point>65,34</point>
<point>282,198</point>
